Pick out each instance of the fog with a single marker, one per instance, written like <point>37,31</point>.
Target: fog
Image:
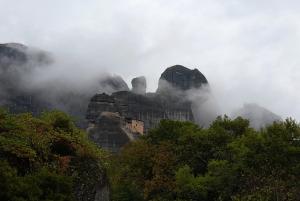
<point>248,50</point>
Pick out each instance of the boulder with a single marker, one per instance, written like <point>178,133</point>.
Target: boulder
<point>112,84</point>
<point>139,85</point>
<point>182,78</point>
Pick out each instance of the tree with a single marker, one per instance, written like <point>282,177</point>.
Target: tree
<point>227,161</point>
<point>46,158</point>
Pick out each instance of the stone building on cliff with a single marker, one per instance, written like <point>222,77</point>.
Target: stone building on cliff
<point>133,113</point>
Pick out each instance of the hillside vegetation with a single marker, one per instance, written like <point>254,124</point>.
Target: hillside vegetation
<point>228,161</point>
<point>47,158</point>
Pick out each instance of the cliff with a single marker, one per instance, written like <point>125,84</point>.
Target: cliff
<point>18,64</point>
<point>19,94</point>
<point>181,78</point>
<point>169,102</point>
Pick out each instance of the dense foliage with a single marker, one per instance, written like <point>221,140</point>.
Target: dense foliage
<point>48,158</point>
<point>228,161</point>
<point>44,158</point>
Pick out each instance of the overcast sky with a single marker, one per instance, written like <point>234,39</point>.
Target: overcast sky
<point>248,50</point>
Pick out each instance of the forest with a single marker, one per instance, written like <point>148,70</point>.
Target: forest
<point>228,161</point>
<point>49,158</point>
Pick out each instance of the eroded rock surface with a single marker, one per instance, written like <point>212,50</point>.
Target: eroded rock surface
<point>19,93</point>
<point>139,85</point>
<point>107,131</point>
<point>112,84</point>
<point>146,110</point>
<point>16,63</point>
<point>181,78</point>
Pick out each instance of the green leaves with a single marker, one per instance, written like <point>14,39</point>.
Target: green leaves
<point>46,158</point>
<point>59,121</point>
<point>228,161</point>
<point>42,185</point>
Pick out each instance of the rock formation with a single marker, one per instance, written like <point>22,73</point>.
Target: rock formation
<point>18,63</point>
<point>138,111</point>
<point>181,78</point>
<point>12,54</point>
<point>139,85</point>
<point>111,84</point>
<point>170,102</point>
<point>116,131</point>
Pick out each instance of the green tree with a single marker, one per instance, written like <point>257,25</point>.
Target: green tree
<point>46,158</point>
<point>227,161</point>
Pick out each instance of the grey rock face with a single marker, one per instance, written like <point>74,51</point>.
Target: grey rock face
<point>107,131</point>
<point>17,62</point>
<point>17,66</point>
<point>11,54</point>
<point>181,78</point>
<point>139,85</point>
<point>15,54</point>
<point>148,109</point>
<point>112,84</point>
<point>170,102</point>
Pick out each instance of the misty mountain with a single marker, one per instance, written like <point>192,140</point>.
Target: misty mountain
<point>25,87</point>
<point>258,116</point>
<point>21,89</point>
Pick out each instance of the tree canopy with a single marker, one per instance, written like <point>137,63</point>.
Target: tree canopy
<point>47,158</point>
<point>44,158</point>
<point>227,161</point>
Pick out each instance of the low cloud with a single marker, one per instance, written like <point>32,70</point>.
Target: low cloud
<point>248,50</point>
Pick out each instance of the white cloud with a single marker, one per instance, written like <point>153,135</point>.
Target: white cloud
<point>248,50</point>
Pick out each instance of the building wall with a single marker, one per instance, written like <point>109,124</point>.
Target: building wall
<point>135,126</point>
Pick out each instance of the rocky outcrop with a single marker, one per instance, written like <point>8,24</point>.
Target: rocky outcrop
<point>139,85</point>
<point>182,78</point>
<point>148,109</point>
<point>145,110</point>
<point>107,132</point>
<point>112,84</point>
<point>18,65</point>
<point>112,131</point>
<point>170,102</point>
<point>12,54</point>
<point>15,54</point>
